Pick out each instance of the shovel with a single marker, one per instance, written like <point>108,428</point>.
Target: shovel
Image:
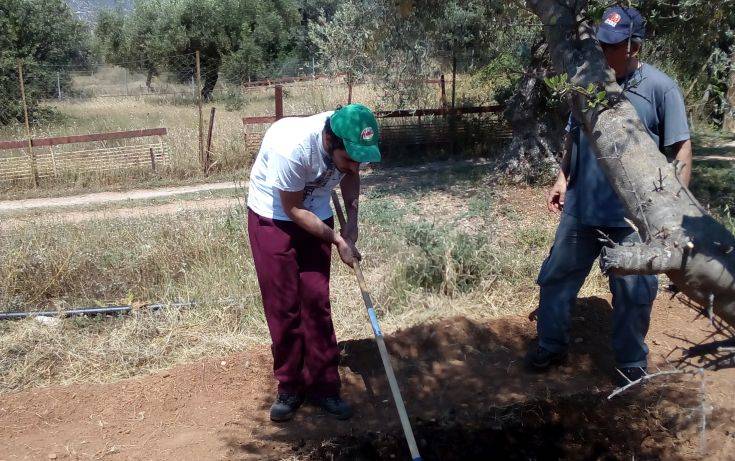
<point>395,391</point>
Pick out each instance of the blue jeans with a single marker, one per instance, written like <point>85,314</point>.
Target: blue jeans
<point>576,247</point>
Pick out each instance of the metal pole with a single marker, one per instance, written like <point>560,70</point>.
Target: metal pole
<point>199,105</point>
<point>58,86</point>
<point>393,383</point>
<point>87,311</point>
<point>208,151</point>
<point>31,155</point>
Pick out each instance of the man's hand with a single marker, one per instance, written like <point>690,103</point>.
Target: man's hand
<point>555,195</point>
<point>347,251</point>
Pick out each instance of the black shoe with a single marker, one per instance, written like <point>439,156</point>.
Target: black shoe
<point>285,406</point>
<point>335,406</point>
<point>627,375</point>
<point>540,359</point>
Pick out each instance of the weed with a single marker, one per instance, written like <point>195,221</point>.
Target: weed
<point>445,261</point>
<point>533,238</point>
<point>480,205</point>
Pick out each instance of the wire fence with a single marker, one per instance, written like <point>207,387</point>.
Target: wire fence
<point>201,111</point>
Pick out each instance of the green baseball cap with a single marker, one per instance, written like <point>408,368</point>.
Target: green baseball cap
<point>357,127</point>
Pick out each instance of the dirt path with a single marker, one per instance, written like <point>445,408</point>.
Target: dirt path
<point>715,157</point>
<point>111,197</point>
<point>371,177</point>
<point>123,212</point>
<point>72,208</point>
<point>465,387</point>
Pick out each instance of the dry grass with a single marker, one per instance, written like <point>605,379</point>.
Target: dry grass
<point>117,114</point>
<point>178,112</point>
<point>204,256</point>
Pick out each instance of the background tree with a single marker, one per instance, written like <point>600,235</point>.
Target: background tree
<point>403,42</point>
<point>241,38</point>
<point>312,11</point>
<point>347,42</point>
<point>44,35</point>
<point>135,41</point>
<point>702,57</point>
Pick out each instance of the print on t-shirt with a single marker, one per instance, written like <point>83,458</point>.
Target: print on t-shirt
<point>324,180</point>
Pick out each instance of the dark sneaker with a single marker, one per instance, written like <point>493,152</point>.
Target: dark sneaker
<point>285,406</point>
<point>627,375</point>
<point>335,406</point>
<point>540,359</point>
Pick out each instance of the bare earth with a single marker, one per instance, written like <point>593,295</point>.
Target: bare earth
<point>456,376</point>
<point>110,197</point>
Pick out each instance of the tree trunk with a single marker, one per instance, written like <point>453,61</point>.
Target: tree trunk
<point>728,123</point>
<point>680,238</point>
<point>210,81</point>
<point>149,79</point>
<point>537,128</point>
<point>210,65</point>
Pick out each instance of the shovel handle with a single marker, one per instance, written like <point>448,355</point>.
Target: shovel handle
<point>380,340</point>
<point>358,272</point>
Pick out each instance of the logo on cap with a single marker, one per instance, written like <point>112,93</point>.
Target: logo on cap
<point>367,134</point>
<point>613,20</point>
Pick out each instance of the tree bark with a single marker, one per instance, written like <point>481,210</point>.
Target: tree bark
<point>149,79</point>
<point>728,123</point>
<point>680,238</point>
<point>538,130</point>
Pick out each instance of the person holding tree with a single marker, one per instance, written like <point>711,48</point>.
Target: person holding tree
<point>290,226</point>
<point>590,208</point>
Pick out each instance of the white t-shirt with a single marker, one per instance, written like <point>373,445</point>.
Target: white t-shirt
<point>292,158</point>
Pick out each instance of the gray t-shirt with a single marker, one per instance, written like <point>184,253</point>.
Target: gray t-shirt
<point>660,105</point>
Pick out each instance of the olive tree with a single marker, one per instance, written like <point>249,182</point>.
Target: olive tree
<point>679,237</point>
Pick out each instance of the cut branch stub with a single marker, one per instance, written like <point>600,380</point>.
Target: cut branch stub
<point>681,238</point>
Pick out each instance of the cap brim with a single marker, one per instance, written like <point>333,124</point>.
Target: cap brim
<point>612,37</point>
<point>360,153</point>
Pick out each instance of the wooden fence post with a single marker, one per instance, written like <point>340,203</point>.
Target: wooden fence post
<point>31,155</point>
<point>454,78</point>
<point>442,84</point>
<point>199,105</point>
<point>279,102</point>
<point>153,160</point>
<point>53,161</point>
<point>208,152</point>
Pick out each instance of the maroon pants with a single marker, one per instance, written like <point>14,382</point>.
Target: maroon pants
<point>293,274</point>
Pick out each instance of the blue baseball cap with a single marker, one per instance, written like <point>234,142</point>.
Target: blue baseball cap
<point>619,24</point>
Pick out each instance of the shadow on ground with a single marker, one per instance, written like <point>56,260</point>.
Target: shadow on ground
<point>470,397</point>
<point>451,176</point>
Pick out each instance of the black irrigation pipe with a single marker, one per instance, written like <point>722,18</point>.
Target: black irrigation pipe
<point>109,310</point>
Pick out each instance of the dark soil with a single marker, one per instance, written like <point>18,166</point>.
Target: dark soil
<point>574,428</point>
